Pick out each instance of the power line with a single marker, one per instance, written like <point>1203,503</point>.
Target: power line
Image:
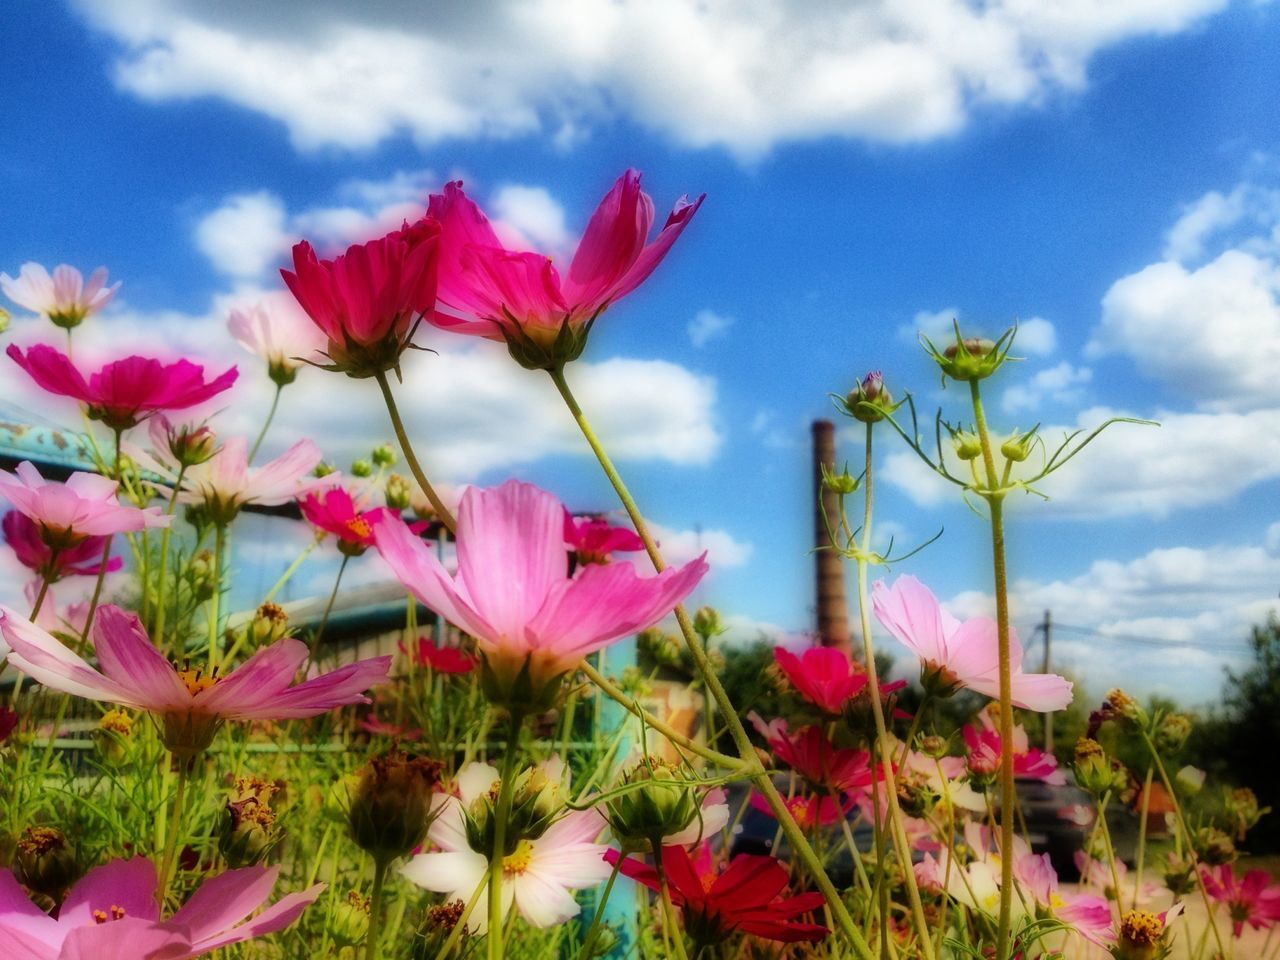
<point>1153,641</point>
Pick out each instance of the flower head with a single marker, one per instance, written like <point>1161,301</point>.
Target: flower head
<point>440,659</point>
<point>190,704</point>
<point>112,915</point>
<point>985,749</point>
<point>521,299</point>
<point>225,483</point>
<point>66,514</point>
<point>512,591</point>
<point>1250,899</point>
<point>278,332</point>
<point>64,297</point>
<point>824,676</point>
<point>125,392</point>
<point>595,540</point>
<point>26,538</point>
<point>336,511</point>
<point>954,654</point>
<point>369,300</point>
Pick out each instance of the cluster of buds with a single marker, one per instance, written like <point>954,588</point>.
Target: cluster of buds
<point>383,456</point>
<point>1213,846</point>
<point>437,927</point>
<point>1095,771</point>
<point>200,576</point>
<point>45,862</point>
<point>536,803</point>
<point>869,401</point>
<point>113,735</point>
<point>249,830</point>
<point>390,809</point>
<point>1242,810</point>
<point>397,492</point>
<point>660,647</point>
<point>658,801</point>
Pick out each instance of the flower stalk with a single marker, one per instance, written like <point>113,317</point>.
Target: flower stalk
<point>397,424</point>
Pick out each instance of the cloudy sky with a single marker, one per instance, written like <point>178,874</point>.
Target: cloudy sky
<point>1108,174</point>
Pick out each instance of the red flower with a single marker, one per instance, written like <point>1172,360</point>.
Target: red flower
<point>24,535</point>
<point>810,754</point>
<point>746,896</point>
<point>592,539</point>
<point>8,722</point>
<point>369,301</point>
<point>439,659</point>
<point>335,511</point>
<point>123,393</point>
<point>807,809</point>
<point>824,676</point>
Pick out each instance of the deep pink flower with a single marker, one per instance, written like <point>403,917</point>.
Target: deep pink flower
<point>594,539</point>
<point>8,723</point>
<point>335,511</point>
<point>439,659</point>
<point>190,704</point>
<point>125,392</point>
<point>954,654</point>
<point>26,538</point>
<point>520,298</point>
<point>512,592</point>
<point>1250,899</point>
<point>64,298</point>
<point>984,747</point>
<point>824,676</point>
<point>810,754</point>
<point>747,895</point>
<point>807,809</point>
<point>112,914</point>
<point>369,300</point>
<point>66,514</point>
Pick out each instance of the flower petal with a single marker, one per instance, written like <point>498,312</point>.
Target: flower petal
<point>127,657</point>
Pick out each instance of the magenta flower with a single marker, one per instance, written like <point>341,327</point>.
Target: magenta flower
<point>1250,899</point>
<point>512,592</point>
<point>985,750</point>
<point>811,754</point>
<point>439,659</point>
<point>112,914</point>
<point>594,539</point>
<point>26,538</point>
<point>67,513</point>
<point>335,511</point>
<point>954,654</point>
<point>520,298</point>
<point>824,676</point>
<point>64,298</point>
<point>190,704</point>
<point>125,392</point>
<point>369,301</point>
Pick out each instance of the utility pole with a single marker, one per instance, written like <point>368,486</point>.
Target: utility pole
<point>1047,628</point>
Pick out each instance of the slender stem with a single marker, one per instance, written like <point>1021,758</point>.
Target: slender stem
<point>171,844</point>
<point>586,952</point>
<point>162,577</point>
<point>328,609</point>
<point>292,569</point>
<point>97,587</point>
<point>1110,851</point>
<point>1142,834</point>
<point>446,517</point>
<point>460,927</point>
<point>896,829</point>
<point>271,414</point>
<point>501,815</point>
<point>35,612</point>
<point>669,917</point>
<point>375,908</point>
<point>995,502</point>
<point>746,750</point>
<point>215,601</point>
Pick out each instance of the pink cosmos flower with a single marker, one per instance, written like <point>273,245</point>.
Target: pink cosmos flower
<point>335,511</point>
<point>125,392</point>
<point>807,809</point>
<point>26,538</point>
<point>1251,899</point>
<point>811,754</point>
<point>112,914</point>
<point>532,621</point>
<point>824,676</point>
<point>520,298</point>
<point>280,333</point>
<point>594,539</point>
<point>64,298</point>
<point>191,705</point>
<point>537,876</point>
<point>368,301</point>
<point>225,482</point>
<point>440,659</point>
<point>65,514</point>
<point>985,750</point>
<point>955,654</point>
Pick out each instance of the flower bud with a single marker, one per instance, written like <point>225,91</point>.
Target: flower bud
<point>113,735</point>
<point>323,470</point>
<point>707,623</point>
<point>970,358</point>
<point>659,805</point>
<point>1142,936</point>
<point>1190,780</point>
<point>934,746</point>
<point>603,943</point>
<point>1095,772</point>
<point>45,862</point>
<point>350,924</point>
<point>915,797</point>
<point>1242,808</point>
<point>869,401</point>
<point>1019,446</point>
<point>658,646</point>
<point>966,444</point>
<point>390,809</point>
<point>843,483</point>
<point>269,624</point>
<point>384,455</point>
<point>397,492</point>
<point>1179,874</point>
<point>1170,734</point>
<point>190,444</point>
<point>200,572</point>
<point>436,929</point>
<point>1123,707</point>
<point>362,468</point>
<point>5,317</point>
<point>1213,846</point>
<point>249,828</point>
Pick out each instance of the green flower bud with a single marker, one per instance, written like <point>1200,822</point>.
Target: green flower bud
<point>1179,874</point>
<point>200,572</point>
<point>915,797</point>
<point>1189,780</point>
<point>249,830</point>
<point>45,862</point>
<point>384,455</point>
<point>658,646</point>
<point>707,623</point>
<point>1242,808</point>
<point>269,624</point>
<point>1171,733</point>
<point>113,735</point>
<point>658,805</point>
<point>191,445</point>
<point>397,492</point>
<point>5,317</point>
<point>1123,707</point>
<point>1019,446</point>
<point>1214,847</point>
<point>970,358</point>
<point>362,468</point>
<point>390,810</point>
<point>436,929</point>
<point>870,401</point>
<point>934,747</point>
<point>322,470</point>
<point>1096,772</point>
<point>843,483</point>
<point>536,803</point>
<point>350,924</point>
<point>966,444</point>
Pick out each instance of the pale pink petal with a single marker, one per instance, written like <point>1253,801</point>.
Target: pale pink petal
<point>277,481</point>
<point>224,900</point>
<point>45,660</point>
<point>448,830</point>
<point>337,688</point>
<point>256,682</point>
<point>127,884</point>
<point>542,902</point>
<point>910,612</point>
<point>127,657</point>
<point>446,871</point>
<point>276,917</point>
<point>1042,692</point>
<point>474,780</point>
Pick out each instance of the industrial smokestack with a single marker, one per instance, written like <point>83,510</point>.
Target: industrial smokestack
<point>833,611</point>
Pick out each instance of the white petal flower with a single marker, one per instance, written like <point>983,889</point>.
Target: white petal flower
<point>63,298</point>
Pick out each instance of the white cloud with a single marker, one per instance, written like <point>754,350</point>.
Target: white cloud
<point>707,325</point>
<point>1273,539</point>
<point>741,75</point>
<point>765,426</point>
<point>937,325</point>
<point>529,218</point>
<point>723,549</point>
<point>1200,220</point>
<point>1061,384</point>
<point>1036,337</point>
<point>1190,460</point>
<point>245,235</point>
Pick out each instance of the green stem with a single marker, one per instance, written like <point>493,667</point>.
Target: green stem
<point>1142,834</point>
<point>292,569</point>
<point>97,589</point>
<point>669,917</point>
<point>163,584</point>
<point>1101,804</point>
<point>459,928</point>
<point>586,952</point>
<point>375,907</point>
<point>171,844</point>
<point>995,502</point>
<point>262,435</point>
<point>746,750</point>
<point>446,517</point>
<point>328,609</point>
<point>501,815</point>
<point>215,601</point>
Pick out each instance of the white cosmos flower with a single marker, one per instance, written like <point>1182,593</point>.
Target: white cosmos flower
<point>277,330</point>
<point>63,298</point>
<point>537,877</point>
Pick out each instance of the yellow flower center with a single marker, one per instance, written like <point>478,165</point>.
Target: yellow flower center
<point>517,862</point>
<point>1141,928</point>
<point>196,680</point>
<point>105,916</point>
<point>360,528</point>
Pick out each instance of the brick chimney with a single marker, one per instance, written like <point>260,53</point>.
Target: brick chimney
<point>833,611</point>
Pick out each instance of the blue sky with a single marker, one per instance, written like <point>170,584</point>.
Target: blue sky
<point>1111,178</point>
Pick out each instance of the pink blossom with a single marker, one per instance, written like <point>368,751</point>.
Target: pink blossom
<point>512,590</point>
<point>1251,899</point>
<point>955,654</point>
<point>807,809</point>
<point>26,538</point>
<point>520,298</point>
<point>54,616</point>
<point>594,539</point>
<point>111,914</point>
<point>368,301</point>
<point>125,392</point>
<point>64,298</point>
<point>439,659</point>
<point>191,705</point>
<point>811,754</point>
<point>336,511</point>
<point>985,751</point>
<point>825,676</point>
<point>225,483</point>
<point>68,513</point>
<point>280,333</point>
